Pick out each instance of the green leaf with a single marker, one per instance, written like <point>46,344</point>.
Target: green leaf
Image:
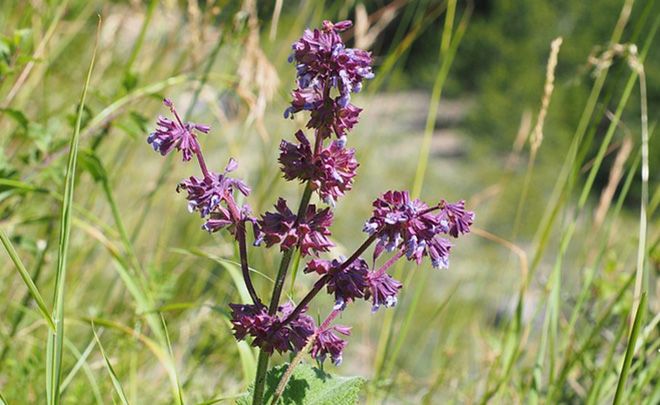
<point>310,386</point>
<point>25,275</point>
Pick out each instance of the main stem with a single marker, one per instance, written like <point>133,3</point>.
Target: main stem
<point>262,364</point>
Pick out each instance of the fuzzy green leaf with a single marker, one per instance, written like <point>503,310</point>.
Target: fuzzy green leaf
<point>310,386</point>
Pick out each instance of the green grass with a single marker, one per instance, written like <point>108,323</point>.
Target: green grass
<point>541,304</point>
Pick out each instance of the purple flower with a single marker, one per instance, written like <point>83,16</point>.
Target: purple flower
<point>177,135</point>
<point>205,195</point>
<point>333,118</point>
<point>402,223</point>
<point>336,169</point>
<point>310,233</point>
<point>300,328</point>
<point>347,283</point>
<point>382,290</point>
<point>297,161</point>
<point>331,172</point>
<point>328,343</point>
<point>267,330</point>
<point>222,218</point>
<point>456,218</point>
<point>323,62</point>
<point>318,266</point>
<point>396,218</point>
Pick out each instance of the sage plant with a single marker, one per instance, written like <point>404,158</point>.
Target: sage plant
<point>400,227</point>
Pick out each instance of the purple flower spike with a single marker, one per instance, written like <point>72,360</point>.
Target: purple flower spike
<point>383,290</point>
<point>328,343</point>
<point>323,62</point>
<point>310,233</point>
<point>170,135</point>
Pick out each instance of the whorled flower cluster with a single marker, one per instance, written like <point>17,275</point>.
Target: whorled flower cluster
<point>412,226</point>
<point>328,73</point>
<point>309,233</point>
<point>268,331</point>
<point>330,172</point>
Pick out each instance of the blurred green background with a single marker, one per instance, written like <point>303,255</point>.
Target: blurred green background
<point>538,302</point>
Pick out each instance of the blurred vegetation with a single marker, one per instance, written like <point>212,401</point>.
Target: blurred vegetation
<point>537,305</point>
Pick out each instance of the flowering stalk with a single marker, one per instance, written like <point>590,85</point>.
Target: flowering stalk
<point>206,194</point>
<point>328,73</point>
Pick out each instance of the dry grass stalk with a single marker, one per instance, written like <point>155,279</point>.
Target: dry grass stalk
<point>537,135</point>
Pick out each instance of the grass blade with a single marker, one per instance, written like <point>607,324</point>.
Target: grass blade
<point>56,340</point>
<point>34,291</point>
<point>81,362</point>
<point>111,371</point>
<point>171,354</point>
<point>630,350</point>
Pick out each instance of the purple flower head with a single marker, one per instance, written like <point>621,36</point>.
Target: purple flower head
<point>456,218</point>
<point>328,343</point>
<point>396,218</point>
<point>310,233</point>
<point>170,135</point>
<point>382,290</point>
<point>347,283</point>
<point>331,172</point>
<point>267,330</point>
<point>402,223</point>
<point>205,195</point>
<point>323,62</point>
<point>297,161</point>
